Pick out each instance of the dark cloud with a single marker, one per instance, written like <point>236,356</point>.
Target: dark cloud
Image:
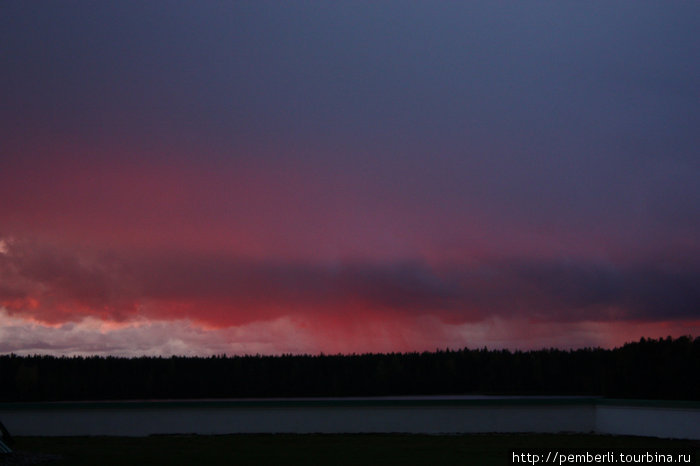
<point>55,285</point>
<point>579,290</point>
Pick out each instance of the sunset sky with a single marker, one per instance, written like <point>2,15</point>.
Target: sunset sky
<point>354,176</point>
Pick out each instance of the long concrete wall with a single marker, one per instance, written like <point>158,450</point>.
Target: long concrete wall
<point>648,421</point>
<point>140,419</point>
<point>299,420</point>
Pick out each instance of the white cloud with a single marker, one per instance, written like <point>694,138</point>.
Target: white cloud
<point>155,338</point>
<point>93,336</point>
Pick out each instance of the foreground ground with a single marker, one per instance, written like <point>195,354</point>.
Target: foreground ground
<point>321,449</point>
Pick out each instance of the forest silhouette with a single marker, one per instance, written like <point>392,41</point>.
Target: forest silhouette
<point>663,368</point>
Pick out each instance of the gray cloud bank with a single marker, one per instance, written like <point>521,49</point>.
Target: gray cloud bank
<point>60,285</point>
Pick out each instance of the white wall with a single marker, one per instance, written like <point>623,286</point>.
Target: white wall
<point>648,421</point>
<point>122,419</point>
<point>432,420</point>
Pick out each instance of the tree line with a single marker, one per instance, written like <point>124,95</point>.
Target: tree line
<point>648,369</point>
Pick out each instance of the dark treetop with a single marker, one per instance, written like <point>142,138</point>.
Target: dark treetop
<point>649,369</point>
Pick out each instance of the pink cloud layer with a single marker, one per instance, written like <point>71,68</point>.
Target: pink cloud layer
<point>345,306</point>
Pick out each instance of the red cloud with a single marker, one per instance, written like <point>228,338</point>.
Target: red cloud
<point>58,285</point>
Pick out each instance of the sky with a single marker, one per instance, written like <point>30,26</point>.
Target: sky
<point>199,178</point>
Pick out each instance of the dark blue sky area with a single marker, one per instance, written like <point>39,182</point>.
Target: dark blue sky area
<point>546,107</point>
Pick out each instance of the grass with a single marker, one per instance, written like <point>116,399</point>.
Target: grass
<point>325,449</point>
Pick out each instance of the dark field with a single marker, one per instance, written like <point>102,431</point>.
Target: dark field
<point>358,449</point>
